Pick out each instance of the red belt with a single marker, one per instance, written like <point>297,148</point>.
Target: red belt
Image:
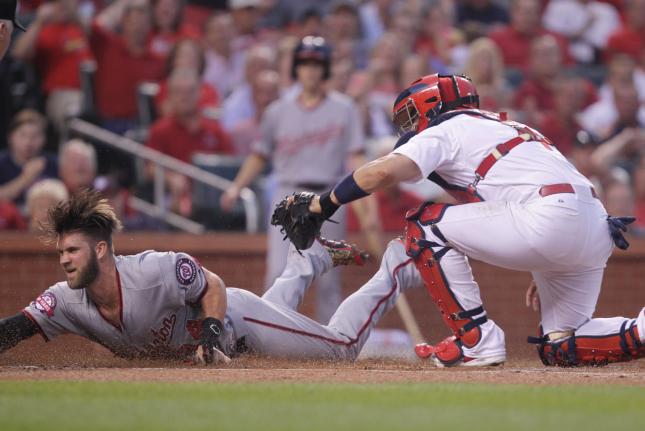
<point>554,189</point>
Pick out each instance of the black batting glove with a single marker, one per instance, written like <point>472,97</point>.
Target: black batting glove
<point>212,330</point>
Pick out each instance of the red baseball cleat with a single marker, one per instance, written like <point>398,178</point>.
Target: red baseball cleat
<point>449,353</point>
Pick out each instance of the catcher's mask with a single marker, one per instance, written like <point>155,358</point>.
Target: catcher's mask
<point>430,96</point>
<point>312,48</point>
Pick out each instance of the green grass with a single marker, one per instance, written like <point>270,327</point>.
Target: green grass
<point>49,406</point>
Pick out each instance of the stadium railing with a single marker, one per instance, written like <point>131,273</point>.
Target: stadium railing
<point>162,163</point>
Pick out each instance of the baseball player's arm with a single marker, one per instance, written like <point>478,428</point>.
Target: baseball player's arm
<point>386,171</point>
<point>214,300</point>
<point>366,211</point>
<point>213,308</point>
<point>253,165</point>
<point>15,329</point>
<point>369,178</point>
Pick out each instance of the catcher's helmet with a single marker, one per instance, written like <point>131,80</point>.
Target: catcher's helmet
<point>312,48</point>
<point>430,96</point>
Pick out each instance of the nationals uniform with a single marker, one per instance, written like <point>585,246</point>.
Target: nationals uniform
<point>528,209</point>
<point>160,296</point>
<point>309,149</point>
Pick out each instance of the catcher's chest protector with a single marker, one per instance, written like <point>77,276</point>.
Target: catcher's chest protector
<point>427,255</point>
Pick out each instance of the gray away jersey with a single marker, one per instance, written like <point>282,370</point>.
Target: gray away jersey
<point>160,308</point>
<point>310,145</point>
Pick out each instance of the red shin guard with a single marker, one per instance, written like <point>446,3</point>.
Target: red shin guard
<point>460,321</point>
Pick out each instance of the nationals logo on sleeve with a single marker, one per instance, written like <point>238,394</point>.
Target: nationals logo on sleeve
<point>186,271</point>
<point>45,303</point>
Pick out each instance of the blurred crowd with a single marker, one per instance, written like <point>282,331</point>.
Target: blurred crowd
<point>573,69</point>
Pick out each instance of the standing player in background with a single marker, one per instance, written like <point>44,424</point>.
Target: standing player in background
<point>523,207</point>
<point>311,139</point>
<point>7,24</point>
<point>166,306</point>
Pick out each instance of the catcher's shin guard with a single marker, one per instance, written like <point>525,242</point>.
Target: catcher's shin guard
<point>462,322</point>
<point>585,350</point>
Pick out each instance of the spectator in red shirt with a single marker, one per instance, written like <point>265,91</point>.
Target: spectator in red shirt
<point>560,124</point>
<point>630,39</point>
<point>185,132</point>
<point>56,42</point>
<point>10,217</point>
<point>515,39</point>
<point>169,26</point>
<point>536,94</point>
<point>188,54</point>
<point>124,61</point>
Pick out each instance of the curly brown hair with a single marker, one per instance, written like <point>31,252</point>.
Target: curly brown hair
<point>87,212</point>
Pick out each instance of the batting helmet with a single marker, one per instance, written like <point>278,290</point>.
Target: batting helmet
<point>312,48</point>
<point>430,96</point>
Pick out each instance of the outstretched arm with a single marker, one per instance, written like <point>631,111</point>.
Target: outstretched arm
<point>214,309</point>
<point>371,177</point>
<point>214,301</point>
<point>15,329</point>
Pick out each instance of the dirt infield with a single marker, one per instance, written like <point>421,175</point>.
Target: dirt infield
<point>258,370</point>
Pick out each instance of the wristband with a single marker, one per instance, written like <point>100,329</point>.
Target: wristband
<point>327,206</point>
<point>348,191</point>
<point>212,328</point>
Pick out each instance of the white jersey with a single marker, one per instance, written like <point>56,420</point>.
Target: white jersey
<point>160,297</point>
<point>453,150</point>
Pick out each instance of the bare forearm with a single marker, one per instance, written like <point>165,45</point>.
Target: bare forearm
<point>249,171</point>
<point>606,154</point>
<point>13,188</point>
<point>110,16</point>
<point>214,301</point>
<point>384,172</point>
<point>25,47</point>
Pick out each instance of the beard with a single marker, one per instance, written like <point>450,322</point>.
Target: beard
<point>86,275</point>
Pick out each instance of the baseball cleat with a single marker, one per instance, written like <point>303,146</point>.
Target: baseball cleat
<point>344,253</point>
<point>449,353</point>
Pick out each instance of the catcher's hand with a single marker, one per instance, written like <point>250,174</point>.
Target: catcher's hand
<point>297,222</point>
<point>210,348</point>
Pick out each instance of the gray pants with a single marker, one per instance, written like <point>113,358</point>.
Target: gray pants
<point>328,294</point>
<point>271,325</point>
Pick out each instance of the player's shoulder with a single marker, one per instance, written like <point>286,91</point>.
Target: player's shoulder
<point>142,270</point>
<point>59,295</point>
<point>151,268</point>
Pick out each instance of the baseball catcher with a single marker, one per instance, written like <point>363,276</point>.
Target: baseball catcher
<point>521,205</point>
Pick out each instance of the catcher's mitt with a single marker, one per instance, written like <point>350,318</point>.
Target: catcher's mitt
<point>297,223</point>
